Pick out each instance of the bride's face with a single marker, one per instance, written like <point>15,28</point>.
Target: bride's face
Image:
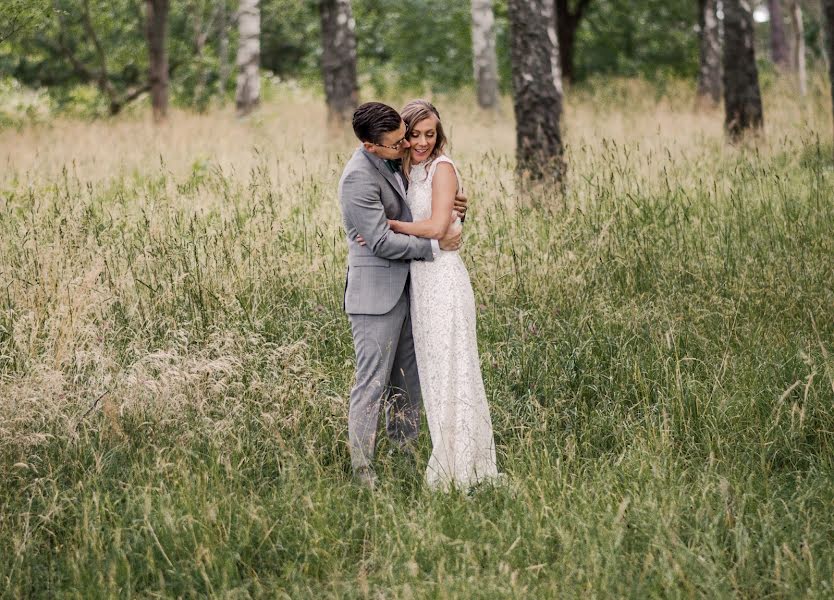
<point>423,138</point>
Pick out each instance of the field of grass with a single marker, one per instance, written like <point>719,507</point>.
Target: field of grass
<point>656,346</point>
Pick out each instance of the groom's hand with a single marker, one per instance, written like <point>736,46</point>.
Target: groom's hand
<point>452,240</point>
<point>461,204</point>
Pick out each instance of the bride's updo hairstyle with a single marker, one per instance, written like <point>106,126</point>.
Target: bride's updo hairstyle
<point>414,112</point>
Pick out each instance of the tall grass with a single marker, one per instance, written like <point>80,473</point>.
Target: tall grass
<point>656,346</point>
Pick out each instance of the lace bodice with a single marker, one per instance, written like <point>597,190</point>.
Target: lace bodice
<point>419,188</point>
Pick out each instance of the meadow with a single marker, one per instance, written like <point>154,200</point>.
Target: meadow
<point>656,346</point>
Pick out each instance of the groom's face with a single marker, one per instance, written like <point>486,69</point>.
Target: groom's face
<point>392,146</point>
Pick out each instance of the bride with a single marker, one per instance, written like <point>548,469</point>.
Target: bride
<point>443,315</point>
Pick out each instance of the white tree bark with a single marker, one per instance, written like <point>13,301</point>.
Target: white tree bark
<point>248,56</point>
<point>709,72</point>
<point>484,59</point>
<point>799,46</point>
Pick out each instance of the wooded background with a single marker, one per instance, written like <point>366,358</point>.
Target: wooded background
<point>418,44</point>
<point>99,56</point>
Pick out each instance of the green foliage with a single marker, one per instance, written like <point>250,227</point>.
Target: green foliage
<point>41,58</point>
<point>19,17</point>
<point>421,44</point>
<point>649,38</point>
<point>20,106</point>
<point>414,45</point>
<point>290,38</point>
<point>194,49</point>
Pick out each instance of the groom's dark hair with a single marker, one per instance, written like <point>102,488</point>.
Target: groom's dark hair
<point>372,120</point>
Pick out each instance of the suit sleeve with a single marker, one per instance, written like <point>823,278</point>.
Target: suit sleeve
<point>364,211</point>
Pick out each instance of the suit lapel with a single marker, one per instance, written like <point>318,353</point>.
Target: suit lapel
<point>383,169</point>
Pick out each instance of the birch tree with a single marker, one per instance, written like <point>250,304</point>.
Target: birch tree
<point>709,71</point>
<point>537,89</point>
<point>828,23</point>
<point>742,97</point>
<point>338,59</point>
<point>248,57</point>
<point>798,59</point>
<point>778,39</point>
<point>485,62</point>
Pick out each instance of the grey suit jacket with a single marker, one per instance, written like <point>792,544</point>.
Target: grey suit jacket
<point>369,195</point>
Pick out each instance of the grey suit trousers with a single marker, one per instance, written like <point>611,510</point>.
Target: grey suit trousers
<point>376,300</point>
<point>384,352</point>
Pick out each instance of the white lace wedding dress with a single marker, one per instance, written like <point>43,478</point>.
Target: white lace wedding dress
<point>443,324</point>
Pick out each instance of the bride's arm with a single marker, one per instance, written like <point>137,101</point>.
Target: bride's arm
<point>444,185</point>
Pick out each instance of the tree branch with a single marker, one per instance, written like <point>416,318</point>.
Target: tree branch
<point>131,95</point>
<point>14,27</point>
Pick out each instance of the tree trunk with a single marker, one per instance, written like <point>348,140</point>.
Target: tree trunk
<point>828,23</point>
<point>156,32</point>
<point>567,22</point>
<point>248,57</point>
<point>484,59</point>
<point>798,61</point>
<point>742,98</point>
<point>223,50</point>
<point>338,60</point>
<point>537,89</point>
<point>709,72</point>
<point>778,39</point>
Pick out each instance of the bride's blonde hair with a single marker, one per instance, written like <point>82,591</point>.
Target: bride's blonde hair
<point>414,112</point>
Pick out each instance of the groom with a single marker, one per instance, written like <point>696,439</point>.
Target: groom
<point>371,191</point>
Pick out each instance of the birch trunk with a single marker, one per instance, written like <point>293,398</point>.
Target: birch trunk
<point>778,39</point>
<point>537,89</point>
<point>709,72</point>
<point>798,61</point>
<point>828,23</point>
<point>338,59</point>
<point>484,60</point>
<point>248,57</point>
<point>156,26</point>
<point>742,97</point>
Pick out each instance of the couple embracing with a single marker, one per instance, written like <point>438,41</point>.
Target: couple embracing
<point>409,300</point>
